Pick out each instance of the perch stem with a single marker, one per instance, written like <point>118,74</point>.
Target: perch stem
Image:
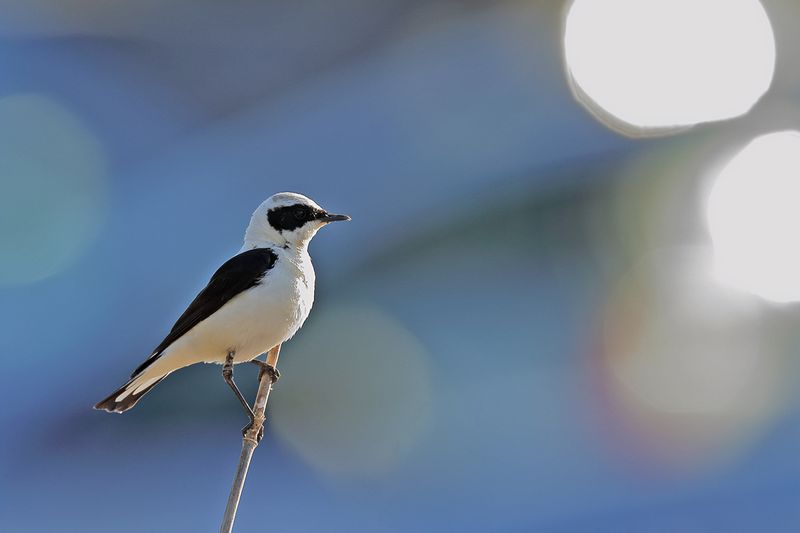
<point>249,443</point>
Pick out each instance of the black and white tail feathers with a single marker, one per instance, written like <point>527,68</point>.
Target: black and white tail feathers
<point>126,396</point>
<point>236,275</point>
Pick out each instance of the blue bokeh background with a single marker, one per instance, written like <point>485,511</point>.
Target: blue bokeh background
<point>467,363</point>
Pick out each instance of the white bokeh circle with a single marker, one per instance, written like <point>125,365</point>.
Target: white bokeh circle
<point>644,65</point>
<point>753,216</point>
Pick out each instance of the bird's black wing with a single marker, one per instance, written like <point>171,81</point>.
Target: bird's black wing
<point>236,275</point>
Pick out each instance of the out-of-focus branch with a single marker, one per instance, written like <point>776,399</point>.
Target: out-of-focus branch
<point>249,442</point>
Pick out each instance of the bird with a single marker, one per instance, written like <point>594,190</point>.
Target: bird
<point>257,300</point>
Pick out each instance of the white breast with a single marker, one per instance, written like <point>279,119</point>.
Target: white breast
<point>273,311</point>
<point>287,292</point>
<point>252,322</point>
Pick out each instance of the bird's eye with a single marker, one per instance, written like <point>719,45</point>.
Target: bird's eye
<point>300,214</point>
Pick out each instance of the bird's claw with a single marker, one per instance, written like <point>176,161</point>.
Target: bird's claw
<point>271,371</point>
<point>247,428</point>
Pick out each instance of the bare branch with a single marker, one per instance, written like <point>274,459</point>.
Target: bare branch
<point>249,443</point>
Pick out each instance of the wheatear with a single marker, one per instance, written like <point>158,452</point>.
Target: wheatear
<point>257,300</point>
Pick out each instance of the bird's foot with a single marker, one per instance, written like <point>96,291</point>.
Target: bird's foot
<point>247,428</point>
<point>271,371</point>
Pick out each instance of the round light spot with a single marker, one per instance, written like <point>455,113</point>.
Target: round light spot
<point>651,66</point>
<point>52,173</point>
<point>355,394</point>
<point>754,215</point>
<point>693,372</point>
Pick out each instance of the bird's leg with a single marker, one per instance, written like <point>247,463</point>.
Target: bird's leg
<point>266,368</point>
<point>227,374</point>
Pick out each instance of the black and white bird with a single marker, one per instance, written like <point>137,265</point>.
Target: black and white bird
<point>256,301</point>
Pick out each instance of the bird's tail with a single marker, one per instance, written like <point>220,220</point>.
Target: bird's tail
<point>126,396</point>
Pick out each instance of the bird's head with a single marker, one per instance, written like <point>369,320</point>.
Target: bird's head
<point>287,219</point>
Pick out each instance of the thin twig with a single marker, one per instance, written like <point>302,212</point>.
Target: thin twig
<point>249,443</point>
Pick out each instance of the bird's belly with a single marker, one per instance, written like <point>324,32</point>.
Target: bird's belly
<point>251,323</point>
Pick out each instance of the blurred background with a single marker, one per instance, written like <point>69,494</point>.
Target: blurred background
<point>564,304</point>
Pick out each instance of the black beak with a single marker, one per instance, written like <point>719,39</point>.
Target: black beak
<point>327,217</point>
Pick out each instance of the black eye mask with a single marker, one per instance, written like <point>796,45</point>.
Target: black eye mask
<point>290,217</point>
